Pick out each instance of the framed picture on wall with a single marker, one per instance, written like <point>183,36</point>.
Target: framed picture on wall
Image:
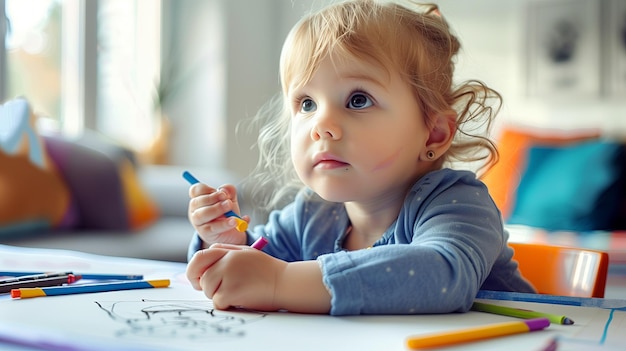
<point>615,49</point>
<point>563,48</point>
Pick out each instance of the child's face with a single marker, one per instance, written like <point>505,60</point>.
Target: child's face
<point>357,132</point>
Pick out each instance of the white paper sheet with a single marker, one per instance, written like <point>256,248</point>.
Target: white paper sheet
<point>180,318</point>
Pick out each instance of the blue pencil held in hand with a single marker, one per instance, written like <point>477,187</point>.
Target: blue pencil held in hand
<point>241,224</point>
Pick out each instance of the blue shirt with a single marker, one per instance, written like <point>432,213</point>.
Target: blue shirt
<point>447,243</point>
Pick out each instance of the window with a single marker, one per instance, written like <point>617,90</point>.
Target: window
<point>33,55</point>
<point>85,64</point>
<point>128,70</point>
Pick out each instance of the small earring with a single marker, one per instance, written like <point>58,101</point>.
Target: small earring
<point>430,154</point>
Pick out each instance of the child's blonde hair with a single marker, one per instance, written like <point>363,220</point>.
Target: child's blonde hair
<point>416,41</point>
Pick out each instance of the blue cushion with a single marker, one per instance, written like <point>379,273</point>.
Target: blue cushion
<point>15,118</point>
<point>575,187</point>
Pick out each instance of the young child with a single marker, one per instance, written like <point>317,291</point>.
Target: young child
<point>380,225</point>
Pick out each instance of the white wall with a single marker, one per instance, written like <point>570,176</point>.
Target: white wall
<point>494,34</point>
<point>195,54</point>
<point>234,46</point>
<point>249,34</point>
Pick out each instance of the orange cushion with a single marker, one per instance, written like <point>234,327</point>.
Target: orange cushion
<point>140,207</point>
<point>30,194</point>
<point>513,145</point>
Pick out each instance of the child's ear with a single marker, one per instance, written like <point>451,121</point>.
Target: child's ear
<point>441,135</point>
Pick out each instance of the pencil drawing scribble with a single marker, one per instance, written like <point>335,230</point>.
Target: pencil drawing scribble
<point>180,320</point>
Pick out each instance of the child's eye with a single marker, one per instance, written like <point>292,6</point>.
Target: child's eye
<point>307,105</point>
<point>359,101</point>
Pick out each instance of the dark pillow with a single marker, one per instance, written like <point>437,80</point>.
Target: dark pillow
<point>102,178</point>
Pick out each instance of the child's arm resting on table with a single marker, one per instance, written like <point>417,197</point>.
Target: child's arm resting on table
<point>239,276</point>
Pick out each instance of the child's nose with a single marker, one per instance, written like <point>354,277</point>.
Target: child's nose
<point>326,125</point>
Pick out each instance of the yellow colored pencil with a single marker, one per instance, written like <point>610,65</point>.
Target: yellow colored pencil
<point>476,333</point>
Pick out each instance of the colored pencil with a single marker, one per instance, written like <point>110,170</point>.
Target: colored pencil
<point>259,244</point>
<point>241,224</point>
<point>89,288</point>
<point>476,333</point>
<point>519,313</point>
<point>614,304</point>
<point>38,283</point>
<point>32,276</point>
<point>104,276</point>
<point>91,276</point>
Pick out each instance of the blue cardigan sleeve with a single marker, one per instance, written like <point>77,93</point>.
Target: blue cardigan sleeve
<point>434,259</point>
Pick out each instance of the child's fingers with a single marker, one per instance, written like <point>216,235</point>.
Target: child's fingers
<point>199,189</point>
<point>221,230</point>
<point>231,193</point>
<point>203,196</point>
<point>229,246</point>
<point>216,227</point>
<point>200,262</point>
<point>203,211</point>
<point>229,190</point>
<point>208,213</point>
<point>216,199</point>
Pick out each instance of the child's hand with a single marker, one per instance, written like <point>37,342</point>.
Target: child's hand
<point>240,276</point>
<point>206,214</point>
<point>237,276</point>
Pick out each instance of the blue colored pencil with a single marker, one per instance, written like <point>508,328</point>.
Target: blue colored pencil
<point>193,180</point>
<point>89,288</point>
<point>92,276</point>
<point>241,224</point>
<point>617,304</point>
<point>101,276</point>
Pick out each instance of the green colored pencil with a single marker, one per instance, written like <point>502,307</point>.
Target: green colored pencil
<point>519,313</point>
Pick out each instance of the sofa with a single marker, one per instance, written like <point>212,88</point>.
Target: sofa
<point>164,238</point>
<point>89,193</point>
